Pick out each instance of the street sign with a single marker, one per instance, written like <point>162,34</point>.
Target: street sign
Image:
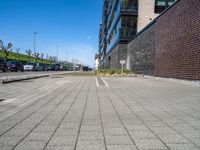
<point>122,61</point>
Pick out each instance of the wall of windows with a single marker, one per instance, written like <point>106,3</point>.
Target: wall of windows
<point>128,27</point>
<point>161,5</point>
<point>129,4</point>
<point>122,23</point>
<point>114,36</point>
<point>124,30</point>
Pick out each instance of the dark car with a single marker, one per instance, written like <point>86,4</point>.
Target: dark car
<point>54,67</point>
<point>15,66</point>
<point>40,67</point>
<point>86,68</point>
<point>3,65</point>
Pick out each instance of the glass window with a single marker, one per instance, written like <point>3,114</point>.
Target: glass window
<point>161,5</point>
<point>163,2</point>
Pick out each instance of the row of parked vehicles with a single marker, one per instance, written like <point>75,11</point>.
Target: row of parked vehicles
<point>30,66</point>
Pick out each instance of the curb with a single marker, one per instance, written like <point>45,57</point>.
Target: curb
<point>182,81</point>
<point>5,80</point>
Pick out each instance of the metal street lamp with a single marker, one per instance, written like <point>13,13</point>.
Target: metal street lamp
<point>34,47</point>
<point>74,61</point>
<point>57,52</point>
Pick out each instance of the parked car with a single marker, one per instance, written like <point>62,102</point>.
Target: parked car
<point>67,68</point>
<point>46,67</point>
<point>30,66</point>
<point>15,66</point>
<point>86,68</point>
<point>54,67</point>
<point>3,65</point>
<point>40,67</point>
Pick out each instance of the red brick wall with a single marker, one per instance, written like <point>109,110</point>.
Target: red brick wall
<point>177,53</point>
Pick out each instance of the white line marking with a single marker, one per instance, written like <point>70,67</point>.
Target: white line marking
<point>97,83</point>
<point>104,81</point>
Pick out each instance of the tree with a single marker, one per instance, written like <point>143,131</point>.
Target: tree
<point>47,56</point>
<point>53,58</point>
<point>17,51</point>
<point>36,56</point>
<point>29,52</point>
<point>5,49</point>
<point>41,55</point>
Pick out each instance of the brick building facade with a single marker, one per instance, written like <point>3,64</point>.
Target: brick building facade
<point>168,47</point>
<point>113,58</point>
<point>177,53</point>
<point>141,51</point>
<point>122,20</point>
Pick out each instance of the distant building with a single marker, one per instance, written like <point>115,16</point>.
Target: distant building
<point>121,20</point>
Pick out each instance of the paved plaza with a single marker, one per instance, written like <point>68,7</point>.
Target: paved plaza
<point>94,113</point>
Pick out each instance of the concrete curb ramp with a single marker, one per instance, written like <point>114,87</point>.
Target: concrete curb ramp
<point>9,79</point>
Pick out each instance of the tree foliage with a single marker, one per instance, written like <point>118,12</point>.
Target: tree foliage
<point>28,52</point>
<point>5,49</point>
<point>5,52</point>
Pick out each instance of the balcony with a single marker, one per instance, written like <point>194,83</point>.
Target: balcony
<point>126,33</point>
<point>105,6</point>
<point>130,8</point>
<point>121,9</point>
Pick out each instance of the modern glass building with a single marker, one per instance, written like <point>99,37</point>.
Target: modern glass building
<point>103,31</point>
<point>122,19</point>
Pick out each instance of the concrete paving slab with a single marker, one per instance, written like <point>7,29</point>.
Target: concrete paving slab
<point>63,140</point>
<point>31,145</point>
<point>55,147</point>
<point>90,145</point>
<point>76,113</point>
<point>121,147</point>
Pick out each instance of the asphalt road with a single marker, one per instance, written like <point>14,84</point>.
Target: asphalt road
<point>89,113</point>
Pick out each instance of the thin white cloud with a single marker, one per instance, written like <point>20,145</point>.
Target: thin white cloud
<point>88,37</point>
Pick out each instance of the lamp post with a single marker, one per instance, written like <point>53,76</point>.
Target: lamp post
<point>34,47</point>
<point>57,52</point>
<point>74,61</point>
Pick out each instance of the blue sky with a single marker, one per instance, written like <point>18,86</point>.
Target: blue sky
<point>71,24</point>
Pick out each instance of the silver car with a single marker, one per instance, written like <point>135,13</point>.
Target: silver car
<point>30,66</point>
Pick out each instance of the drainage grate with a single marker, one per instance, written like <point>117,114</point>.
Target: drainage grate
<point>2,99</point>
